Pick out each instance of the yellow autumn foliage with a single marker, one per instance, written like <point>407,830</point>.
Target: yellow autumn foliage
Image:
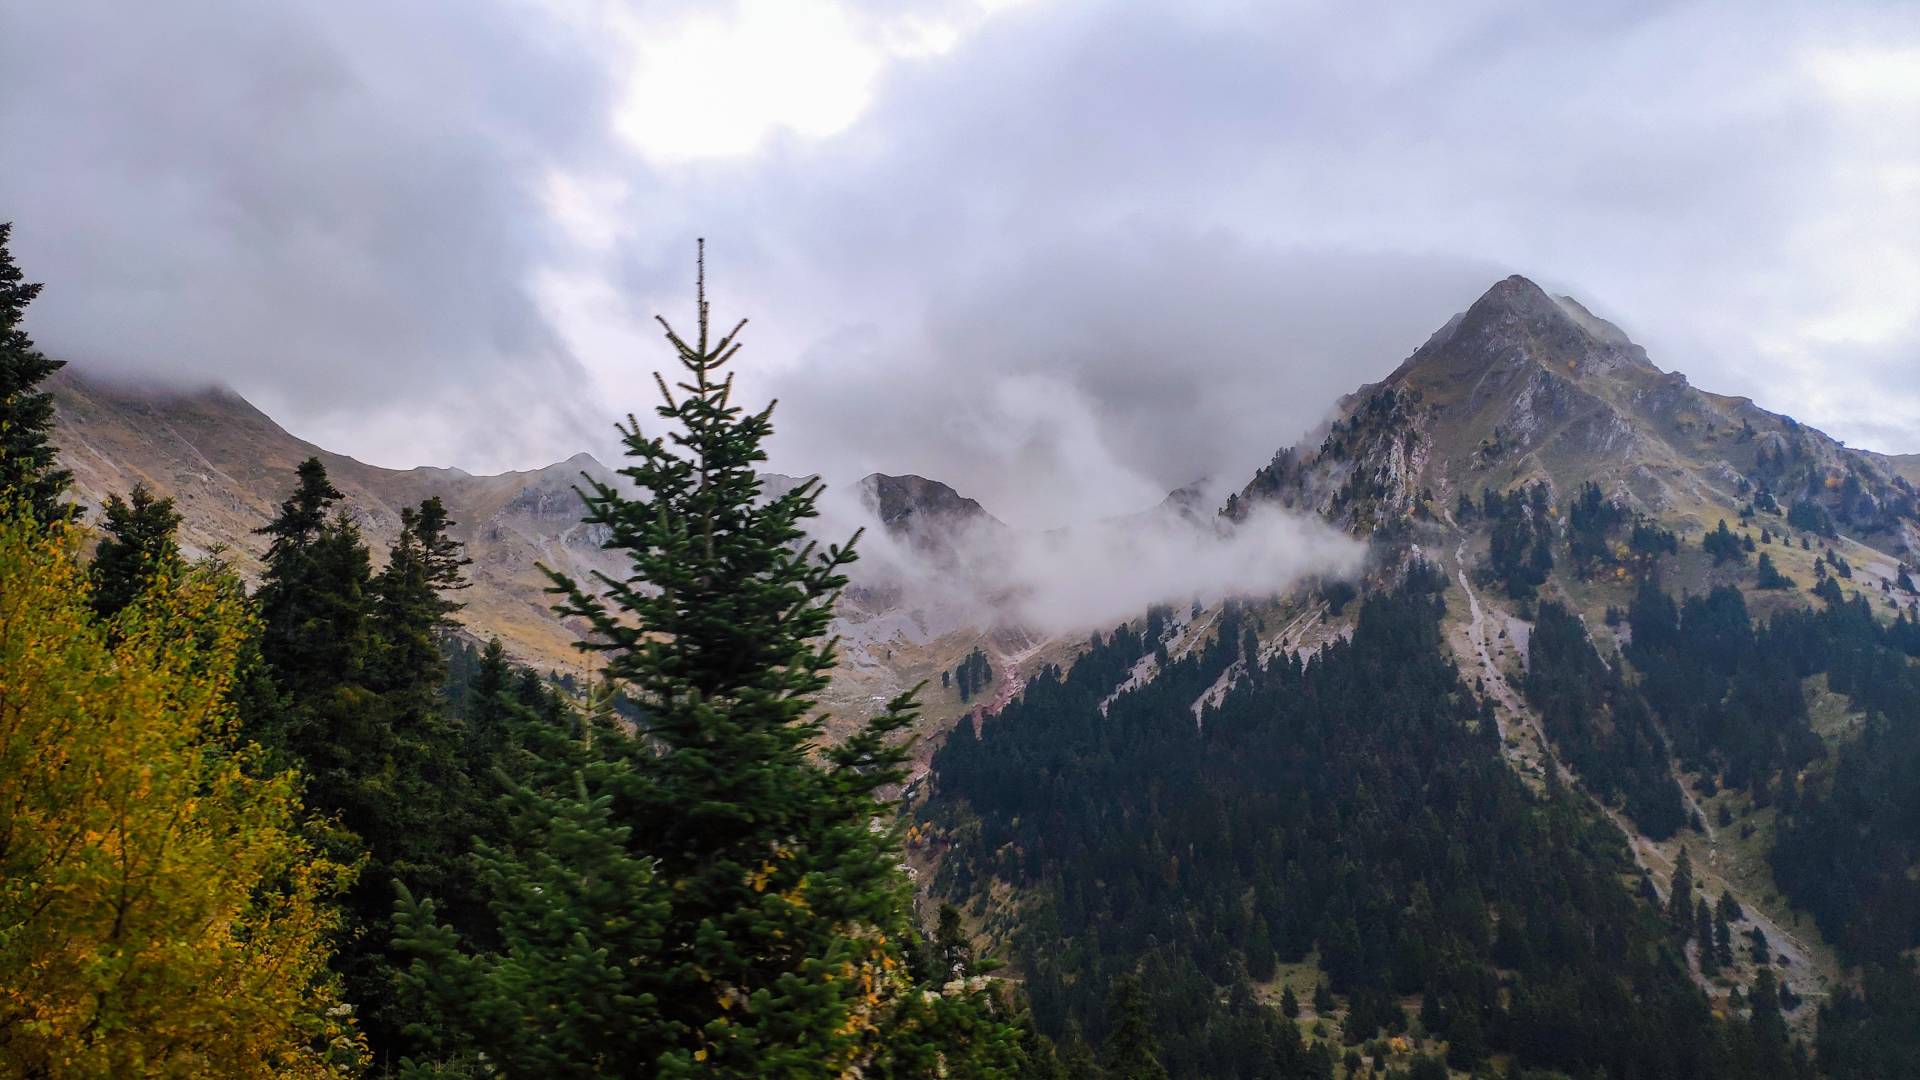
<point>161,913</point>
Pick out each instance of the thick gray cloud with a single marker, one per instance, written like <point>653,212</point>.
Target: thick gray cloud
<point>1113,367</point>
<point>1085,252</point>
<point>331,207</point>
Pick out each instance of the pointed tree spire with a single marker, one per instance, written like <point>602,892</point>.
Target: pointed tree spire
<point>1680,896</point>
<point>1131,1052</point>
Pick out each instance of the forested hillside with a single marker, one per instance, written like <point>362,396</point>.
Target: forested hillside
<point>1353,811</point>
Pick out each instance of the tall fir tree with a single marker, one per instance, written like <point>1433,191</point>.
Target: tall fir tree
<point>423,565</point>
<point>27,459</point>
<point>1077,1060</point>
<point>305,630</point>
<point>412,618</point>
<point>952,950</point>
<point>138,548</point>
<point>1769,1026</point>
<point>1703,934</point>
<point>1130,1052</point>
<point>489,707</point>
<point>445,558</point>
<point>760,925</point>
<point>1680,894</point>
<point>408,796</point>
<point>356,659</point>
<point>316,609</point>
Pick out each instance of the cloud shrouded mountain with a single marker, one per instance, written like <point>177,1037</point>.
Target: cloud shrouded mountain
<point>1520,387</point>
<point>1026,243</point>
<point>938,574</point>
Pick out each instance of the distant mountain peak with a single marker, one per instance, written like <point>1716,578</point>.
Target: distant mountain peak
<point>1518,299</point>
<point>898,500</point>
<point>1514,293</point>
<point>1516,328</point>
<point>1525,387</point>
<point>1515,311</point>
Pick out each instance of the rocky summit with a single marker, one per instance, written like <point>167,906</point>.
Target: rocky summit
<point>1523,387</point>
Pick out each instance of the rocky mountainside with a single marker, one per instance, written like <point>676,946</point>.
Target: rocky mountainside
<point>1907,465</point>
<point>1524,390</point>
<point>1521,387</point>
<point>918,503</point>
<point>1525,387</point>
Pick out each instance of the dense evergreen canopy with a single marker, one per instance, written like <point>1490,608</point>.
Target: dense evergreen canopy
<point>1355,808</point>
<point>1600,723</point>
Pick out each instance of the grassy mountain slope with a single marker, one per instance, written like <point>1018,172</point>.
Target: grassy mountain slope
<point>228,465</point>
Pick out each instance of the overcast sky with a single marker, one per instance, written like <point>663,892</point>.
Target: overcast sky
<point>1064,254</point>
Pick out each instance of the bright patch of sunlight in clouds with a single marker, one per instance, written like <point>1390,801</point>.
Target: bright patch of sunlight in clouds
<point>721,80</point>
<point>1869,76</point>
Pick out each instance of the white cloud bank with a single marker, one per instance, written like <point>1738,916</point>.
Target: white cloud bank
<point>1092,576</point>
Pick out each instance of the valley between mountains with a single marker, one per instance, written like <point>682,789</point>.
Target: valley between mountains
<point>1680,625</point>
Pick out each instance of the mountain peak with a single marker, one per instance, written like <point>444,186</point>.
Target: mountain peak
<point>1513,289</point>
<point>1517,299</point>
<point>1516,326</point>
<point>896,498</point>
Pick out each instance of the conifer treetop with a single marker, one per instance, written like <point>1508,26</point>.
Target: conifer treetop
<point>726,597</point>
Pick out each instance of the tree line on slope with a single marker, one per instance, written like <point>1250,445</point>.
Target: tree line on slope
<point>251,833</point>
<point>1600,724</point>
<point>1354,809</point>
<point>1726,693</point>
<point>1848,834</point>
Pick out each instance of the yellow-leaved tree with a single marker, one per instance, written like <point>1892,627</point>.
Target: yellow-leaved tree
<point>161,913</point>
